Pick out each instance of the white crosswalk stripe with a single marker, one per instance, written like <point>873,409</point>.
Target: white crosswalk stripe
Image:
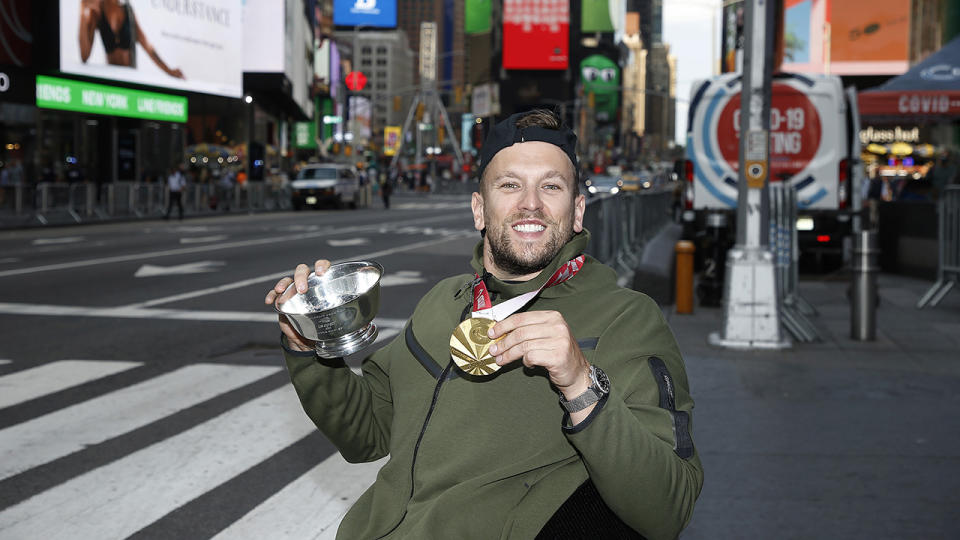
<point>331,487</point>
<point>123,496</point>
<point>53,377</point>
<point>142,487</point>
<point>62,432</point>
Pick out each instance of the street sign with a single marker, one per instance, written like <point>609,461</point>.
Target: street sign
<point>355,81</point>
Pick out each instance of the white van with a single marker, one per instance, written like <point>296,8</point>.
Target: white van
<point>810,128</point>
<point>325,184</point>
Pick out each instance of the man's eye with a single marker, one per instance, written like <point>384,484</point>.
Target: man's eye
<point>508,185</point>
<point>552,186</point>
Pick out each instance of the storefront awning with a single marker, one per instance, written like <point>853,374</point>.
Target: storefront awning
<point>930,89</point>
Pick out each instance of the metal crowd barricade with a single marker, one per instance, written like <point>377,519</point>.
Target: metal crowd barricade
<point>783,243</point>
<point>17,199</point>
<point>54,199</point>
<point>621,224</point>
<point>948,269</point>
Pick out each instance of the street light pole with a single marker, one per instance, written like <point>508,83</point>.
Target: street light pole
<point>751,303</point>
<point>248,104</point>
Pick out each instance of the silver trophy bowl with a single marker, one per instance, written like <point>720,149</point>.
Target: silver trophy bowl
<point>337,309</point>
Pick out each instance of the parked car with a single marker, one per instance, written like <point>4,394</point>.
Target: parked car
<point>325,184</point>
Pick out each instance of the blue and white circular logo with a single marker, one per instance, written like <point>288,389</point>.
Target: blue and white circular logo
<point>941,72</point>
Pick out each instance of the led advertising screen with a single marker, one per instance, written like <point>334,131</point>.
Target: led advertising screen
<point>192,46</point>
<point>476,19</point>
<point>382,13</point>
<point>264,32</point>
<point>536,34</point>
<point>79,96</point>
<point>595,16</point>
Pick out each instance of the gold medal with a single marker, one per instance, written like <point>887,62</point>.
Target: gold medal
<point>469,346</point>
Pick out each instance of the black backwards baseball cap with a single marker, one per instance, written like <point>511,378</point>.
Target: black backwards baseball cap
<point>506,133</point>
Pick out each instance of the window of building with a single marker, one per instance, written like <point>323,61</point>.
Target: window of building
<point>381,61</point>
<point>365,62</point>
<point>365,50</point>
<point>381,50</point>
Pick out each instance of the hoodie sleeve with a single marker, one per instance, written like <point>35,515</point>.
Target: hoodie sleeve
<point>353,411</point>
<point>637,446</point>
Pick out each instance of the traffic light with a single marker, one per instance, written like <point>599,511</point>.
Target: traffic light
<point>440,132</point>
<point>419,112</point>
<point>591,100</point>
<point>397,103</point>
<point>458,94</point>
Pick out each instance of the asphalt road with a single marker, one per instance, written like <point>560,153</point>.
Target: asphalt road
<point>142,392</point>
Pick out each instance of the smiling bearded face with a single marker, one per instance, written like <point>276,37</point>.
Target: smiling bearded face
<point>522,258</point>
<point>529,208</point>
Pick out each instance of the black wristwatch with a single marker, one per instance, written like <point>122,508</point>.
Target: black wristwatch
<point>599,387</point>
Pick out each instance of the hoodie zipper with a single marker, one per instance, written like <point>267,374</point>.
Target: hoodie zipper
<point>416,447</point>
<point>433,403</point>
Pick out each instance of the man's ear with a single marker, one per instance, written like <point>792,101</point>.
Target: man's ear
<point>579,207</point>
<point>476,204</point>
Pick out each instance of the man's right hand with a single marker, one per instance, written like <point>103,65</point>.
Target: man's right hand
<point>295,340</point>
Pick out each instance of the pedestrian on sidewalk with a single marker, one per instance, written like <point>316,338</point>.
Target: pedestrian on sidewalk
<point>530,398</point>
<point>176,183</point>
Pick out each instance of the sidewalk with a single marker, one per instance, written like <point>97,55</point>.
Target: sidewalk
<point>838,439</point>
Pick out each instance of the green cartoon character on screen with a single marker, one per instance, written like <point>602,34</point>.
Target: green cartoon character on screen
<point>601,76</point>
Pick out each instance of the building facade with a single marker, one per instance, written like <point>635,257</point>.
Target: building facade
<point>388,63</point>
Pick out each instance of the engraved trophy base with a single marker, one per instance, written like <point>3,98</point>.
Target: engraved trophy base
<point>347,344</point>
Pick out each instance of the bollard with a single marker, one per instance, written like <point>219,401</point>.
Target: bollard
<point>684,250</point>
<point>863,300</point>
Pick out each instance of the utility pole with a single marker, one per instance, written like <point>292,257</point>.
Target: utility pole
<point>751,304</point>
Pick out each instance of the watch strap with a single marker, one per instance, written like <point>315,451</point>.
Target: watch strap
<point>584,400</point>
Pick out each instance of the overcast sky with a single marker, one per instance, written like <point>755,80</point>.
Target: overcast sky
<point>687,28</point>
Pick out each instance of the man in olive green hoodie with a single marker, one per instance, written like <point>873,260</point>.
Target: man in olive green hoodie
<point>475,454</point>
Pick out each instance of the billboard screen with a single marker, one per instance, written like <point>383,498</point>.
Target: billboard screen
<point>476,17</point>
<point>536,34</point>
<point>190,46</point>
<point>264,32</point>
<point>869,37</point>
<point>595,16</point>
<point>731,40</point>
<point>382,13</point>
<point>304,135</point>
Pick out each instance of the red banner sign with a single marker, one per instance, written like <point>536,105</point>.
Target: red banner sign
<point>920,103</point>
<point>536,34</point>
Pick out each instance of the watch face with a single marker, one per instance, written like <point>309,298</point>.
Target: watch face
<point>600,379</point>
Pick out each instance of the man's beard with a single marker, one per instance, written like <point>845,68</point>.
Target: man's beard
<point>523,260</point>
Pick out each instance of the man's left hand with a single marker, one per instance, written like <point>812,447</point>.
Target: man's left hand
<point>542,338</point>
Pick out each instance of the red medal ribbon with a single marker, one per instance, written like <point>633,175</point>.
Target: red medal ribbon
<point>481,297</point>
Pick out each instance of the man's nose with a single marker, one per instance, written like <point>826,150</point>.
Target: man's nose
<point>531,199</point>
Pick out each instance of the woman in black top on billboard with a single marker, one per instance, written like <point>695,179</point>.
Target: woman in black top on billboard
<point>119,31</point>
